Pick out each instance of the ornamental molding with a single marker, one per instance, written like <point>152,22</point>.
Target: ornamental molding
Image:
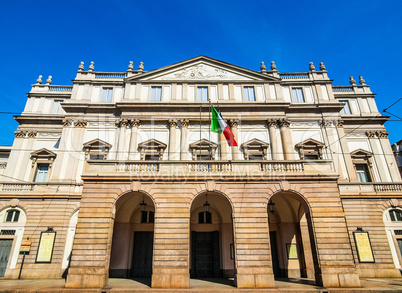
<point>356,134</point>
<point>101,124</point>
<point>49,134</point>
<point>306,124</point>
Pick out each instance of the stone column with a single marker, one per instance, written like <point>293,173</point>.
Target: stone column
<point>184,139</point>
<point>223,145</point>
<point>172,155</point>
<point>272,137</point>
<point>381,164</point>
<point>389,155</point>
<point>288,148</point>
<point>351,172</point>
<point>235,149</point>
<point>135,123</point>
<point>121,151</point>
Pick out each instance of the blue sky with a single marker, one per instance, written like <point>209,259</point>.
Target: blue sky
<point>52,37</point>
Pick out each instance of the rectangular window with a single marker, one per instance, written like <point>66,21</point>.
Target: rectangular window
<point>57,106</point>
<point>363,173</point>
<point>298,96</point>
<point>107,95</point>
<point>156,93</point>
<point>41,173</point>
<point>346,108</point>
<point>96,156</point>
<point>202,94</point>
<point>249,94</point>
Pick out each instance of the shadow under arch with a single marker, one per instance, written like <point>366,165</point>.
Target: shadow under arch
<point>133,236</point>
<point>211,236</point>
<point>293,244</point>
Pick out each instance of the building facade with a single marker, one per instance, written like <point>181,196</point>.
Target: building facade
<point>119,175</point>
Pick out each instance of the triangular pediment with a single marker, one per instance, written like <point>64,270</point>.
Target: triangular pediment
<point>360,153</point>
<point>43,153</point>
<point>309,143</point>
<point>152,144</point>
<point>202,68</point>
<point>203,143</point>
<point>255,143</point>
<point>97,144</point>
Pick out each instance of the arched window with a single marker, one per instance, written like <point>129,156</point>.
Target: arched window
<point>204,218</point>
<point>12,216</point>
<point>395,215</point>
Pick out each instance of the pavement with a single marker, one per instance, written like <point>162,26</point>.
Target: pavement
<point>197,285</point>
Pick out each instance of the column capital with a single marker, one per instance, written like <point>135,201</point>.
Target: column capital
<point>382,134</point>
<point>326,123</point>
<point>80,123</point>
<point>185,122</point>
<point>32,133</point>
<point>272,122</point>
<point>172,123</point>
<point>20,133</point>
<point>339,123</point>
<point>283,122</point>
<point>122,122</point>
<point>135,122</point>
<point>234,123</point>
<point>370,134</point>
<point>67,122</point>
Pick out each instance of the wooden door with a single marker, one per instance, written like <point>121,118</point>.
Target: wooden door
<point>142,255</point>
<point>5,248</point>
<point>205,255</point>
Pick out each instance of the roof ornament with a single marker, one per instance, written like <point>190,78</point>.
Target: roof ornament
<point>49,80</point>
<point>352,81</point>
<point>361,80</point>
<point>273,65</point>
<point>81,66</point>
<point>312,67</point>
<point>263,67</point>
<point>39,80</point>
<point>92,66</point>
<point>130,65</point>
<point>322,66</point>
<point>141,67</point>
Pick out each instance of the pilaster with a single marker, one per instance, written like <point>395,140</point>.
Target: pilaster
<point>272,123</point>
<point>288,147</point>
<point>135,123</point>
<point>235,149</point>
<point>184,155</point>
<point>173,155</point>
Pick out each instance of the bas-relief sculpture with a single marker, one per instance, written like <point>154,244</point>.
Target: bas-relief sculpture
<point>202,72</point>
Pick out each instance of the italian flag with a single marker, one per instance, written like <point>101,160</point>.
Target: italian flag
<point>219,125</point>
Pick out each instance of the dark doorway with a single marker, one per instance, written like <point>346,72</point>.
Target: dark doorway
<point>274,254</point>
<point>5,248</point>
<point>142,255</point>
<point>205,255</point>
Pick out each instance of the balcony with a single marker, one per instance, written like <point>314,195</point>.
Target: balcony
<point>209,169</point>
<point>42,189</point>
<point>356,189</point>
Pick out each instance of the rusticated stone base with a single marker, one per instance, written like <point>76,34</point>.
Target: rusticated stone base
<point>87,278</point>
<point>340,277</point>
<point>170,278</point>
<point>254,278</point>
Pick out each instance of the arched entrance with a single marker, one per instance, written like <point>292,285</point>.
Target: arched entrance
<point>392,218</point>
<point>211,238</point>
<point>291,236</point>
<point>133,235</point>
